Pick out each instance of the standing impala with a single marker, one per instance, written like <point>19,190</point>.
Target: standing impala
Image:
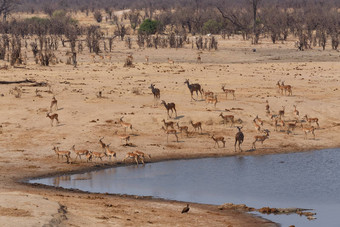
<point>261,138</point>
<point>227,118</point>
<point>53,117</point>
<point>109,152</point>
<point>67,154</point>
<point>218,139</point>
<point>142,155</point>
<point>131,155</point>
<point>183,129</point>
<point>102,144</point>
<point>193,87</point>
<point>54,103</point>
<point>311,120</point>
<point>197,125</point>
<point>79,153</point>
<point>228,91</point>
<point>287,88</point>
<point>170,131</point>
<point>168,124</point>
<point>308,129</point>
<point>125,124</point>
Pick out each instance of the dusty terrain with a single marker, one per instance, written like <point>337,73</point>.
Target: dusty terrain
<point>27,137</point>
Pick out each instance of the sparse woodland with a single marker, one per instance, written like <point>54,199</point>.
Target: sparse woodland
<point>170,25</point>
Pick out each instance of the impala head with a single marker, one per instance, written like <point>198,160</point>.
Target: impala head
<point>151,86</point>
<point>163,102</point>
<point>266,131</point>
<point>221,114</point>
<point>239,128</point>
<point>101,139</point>
<point>186,81</point>
<point>121,119</point>
<point>73,147</point>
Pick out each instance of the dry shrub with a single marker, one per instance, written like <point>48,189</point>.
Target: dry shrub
<point>129,61</point>
<point>136,91</point>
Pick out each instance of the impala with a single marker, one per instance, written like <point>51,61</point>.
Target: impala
<point>218,139</point>
<point>125,124</point>
<point>168,124</point>
<point>54,103</point>
<point>197,125</point>
<point>183,129</point>
<point>53,117</point>
<point>109,152</point>
<point>212,100</point>
<point>170,131</point>
<point>227,118</point>
<point>308,129</point>
<point>142,155</point>
<point>131,155</point>
<point>228,91</point>
<point>296,112</point>
<point>261,138</point>
<point>67,154</point>
<point>311,120</point>
<point>79,153</point>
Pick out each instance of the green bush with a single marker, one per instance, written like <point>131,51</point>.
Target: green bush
<point>212,26</point>
<point>149,27</point>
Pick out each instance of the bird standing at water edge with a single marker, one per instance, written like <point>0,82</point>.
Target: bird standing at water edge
<point>186,209</point>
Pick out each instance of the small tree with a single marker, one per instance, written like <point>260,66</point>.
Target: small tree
<point>98,16</point>
<point>212,26</point>
<point>149,27</point>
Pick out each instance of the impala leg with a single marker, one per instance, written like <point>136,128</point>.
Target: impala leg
<point>176,138</point>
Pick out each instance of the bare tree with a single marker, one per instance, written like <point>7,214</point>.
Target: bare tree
<point>6,6</point>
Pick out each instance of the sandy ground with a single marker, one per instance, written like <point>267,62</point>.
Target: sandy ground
<point>27,137</point>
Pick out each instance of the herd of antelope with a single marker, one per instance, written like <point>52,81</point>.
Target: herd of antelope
<point>277,120</point>
<point>137,156</point>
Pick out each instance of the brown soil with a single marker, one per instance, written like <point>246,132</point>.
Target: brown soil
<point>27,137</point>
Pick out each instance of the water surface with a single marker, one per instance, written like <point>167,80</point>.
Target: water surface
<point>303,180</point>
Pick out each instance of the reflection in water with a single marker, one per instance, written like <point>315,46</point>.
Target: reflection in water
<point>58,179</point>
<point>304,180</point>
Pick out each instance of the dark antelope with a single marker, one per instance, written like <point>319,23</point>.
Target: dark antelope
<point>193,87</point>
<point>239,137</point>
<point>170,106</point>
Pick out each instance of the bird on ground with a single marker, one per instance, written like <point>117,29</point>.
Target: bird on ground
<point>186,209</point>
